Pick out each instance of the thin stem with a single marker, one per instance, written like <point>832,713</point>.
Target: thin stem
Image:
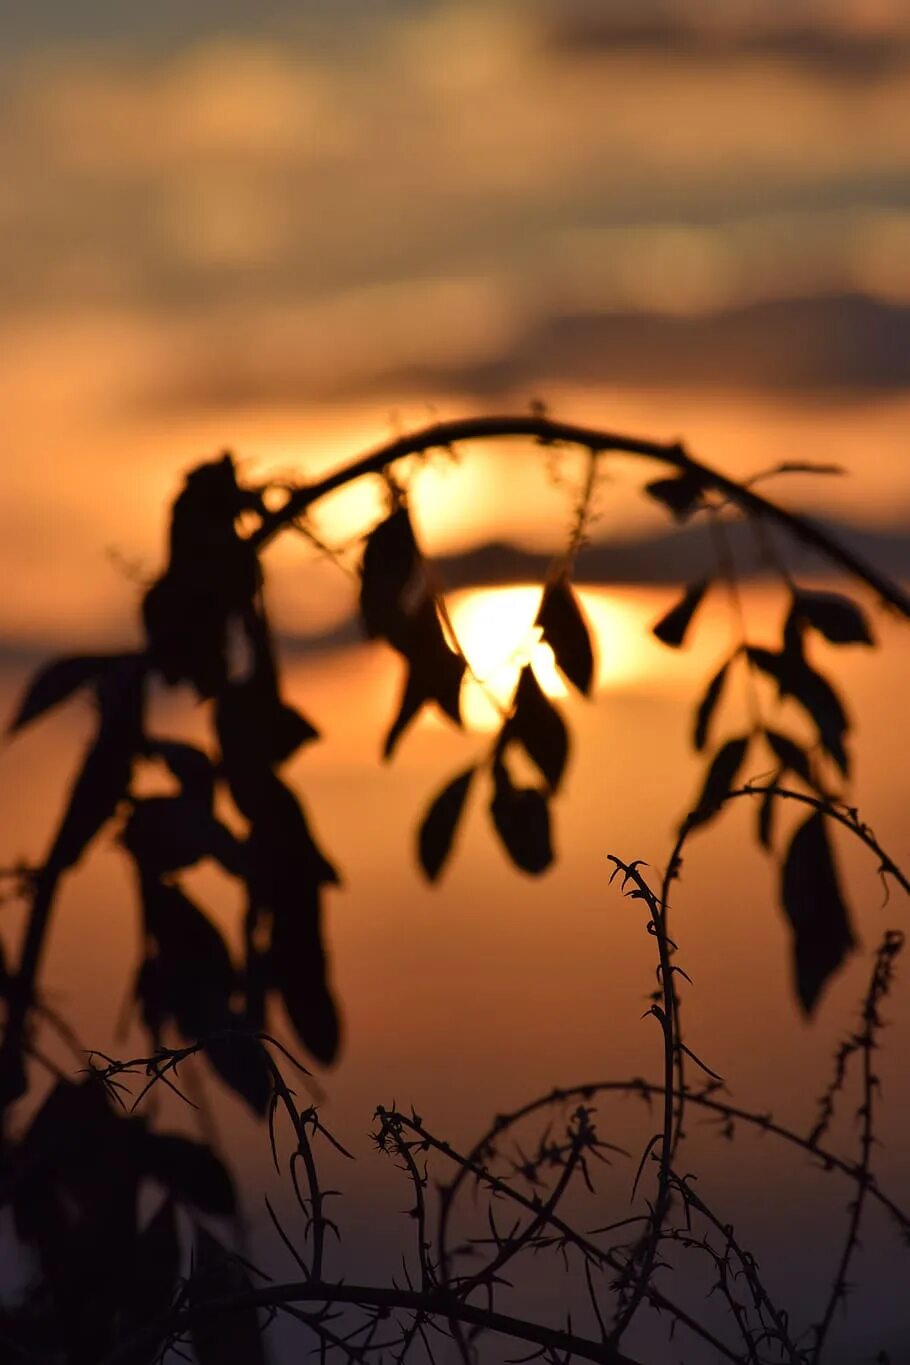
<point>547,431</point>
<point>435,1304</point>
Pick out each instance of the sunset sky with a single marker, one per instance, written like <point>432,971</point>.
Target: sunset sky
<point>294,228</point>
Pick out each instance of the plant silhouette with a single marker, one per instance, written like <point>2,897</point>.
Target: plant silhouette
<point>75,1178</point>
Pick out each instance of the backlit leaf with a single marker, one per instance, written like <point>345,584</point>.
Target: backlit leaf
<point>812,901</point>
<point>222,1338</point>
<point>565,630</point>
<point>57,681</point>
<point>798,679</point>
<point>300,973</point>
<point>766,808</point>
<point>681,494</point>
<point>790,754</point>
<point>521,816</point>
<point>190,1171</point>
<point>437,829</point>
<point>390,560</point>
<point>719,779</point>
<point>165,833</point>
<point>707,707</point>
<point>671,628</point>
<point>836,617</point>
<point>538,727</point>
<point>434,674</point>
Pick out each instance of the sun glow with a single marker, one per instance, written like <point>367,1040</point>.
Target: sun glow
<point>495,628</point>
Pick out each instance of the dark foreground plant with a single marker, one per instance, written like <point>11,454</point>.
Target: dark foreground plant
<point>77,1176</point>
<point>515,1191</point>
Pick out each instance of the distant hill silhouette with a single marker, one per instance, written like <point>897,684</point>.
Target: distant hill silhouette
<point>838,341</point>
<point>672,557</point>
<point>833,345</point>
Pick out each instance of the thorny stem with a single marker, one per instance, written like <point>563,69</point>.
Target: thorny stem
<point>472,1165</point>
<point>865,1041</point>
<point>435,1304</point>
<point>760,1295</point>
<point>667,1019</point>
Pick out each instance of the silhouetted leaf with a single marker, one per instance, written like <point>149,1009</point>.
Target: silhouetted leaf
<point>222,1338</point>
<point>190,1171</point>
<point>105,774</point>
<point>539,728</point>
<point>437,829</point>
<point>790,755</point>
<point>719,779</point>
<point>671,628</point>
<point>194,976</point>
<point>256,730</point>
<point>206,509</point>
<point>681,494</point>
<point>706,707</point>
<point>390,562</point>
<point>165,833</point>
<point>836,617</point>
<point>299,971</point>
<point>766,808</point>
<point>521,816</point>
<point>193,768</point>
<point>565,630</point>
<point>155,1270</point>
<point>435,673</point>
<point>57,681</point>
<point>238,1059</point>
<point>284,858</point>
<point>185,622</point>
<point>796,678</point>
<point>812,901</point>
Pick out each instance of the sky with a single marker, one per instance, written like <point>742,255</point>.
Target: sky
<point>292,229</point>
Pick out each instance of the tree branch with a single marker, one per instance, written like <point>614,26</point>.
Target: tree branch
<point>548,432</point>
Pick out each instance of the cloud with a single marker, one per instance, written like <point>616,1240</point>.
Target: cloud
<point>839,42</point>
<point>846,345</point>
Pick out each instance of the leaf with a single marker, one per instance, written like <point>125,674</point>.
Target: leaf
<point>796,678</point>
<point>190,1171</point>
<point>192,767</point>
<point>284,860</point>
<point>155,1270</point>
<point>222,1338</point>
<point>238,1059</point>
<point>256,731</point>
<point>564,628</point>
<point>766,808</point>
<point>681,494</point>
<point>719,779</point>
<point>836,617</point>
<point>812,902</point>
<point>671,628</point>
<point>57,681</point>
<point>390,561</point>
<point>299,971</point>
<point>791,755</point>
<point>539,728</point>
<point>435,673</point>
<point>706,707</point>
<point>521,816</point>
<point>194,975</point>
<point>165,833</point>
<point>437,829</point>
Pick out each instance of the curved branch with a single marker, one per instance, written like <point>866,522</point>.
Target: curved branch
<point>434,1304</point>
<point>546,431</point>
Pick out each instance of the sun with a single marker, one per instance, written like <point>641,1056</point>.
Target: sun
<point>495,628</point>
